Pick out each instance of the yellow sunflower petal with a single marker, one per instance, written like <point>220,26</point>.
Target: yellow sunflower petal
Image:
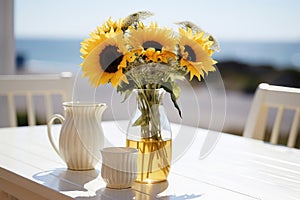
<point>150,54</point>
<point>104,78</point>
<point>165,56</point>
<point>191,68</point>
<point>117,78</point>
<point>130,57</point>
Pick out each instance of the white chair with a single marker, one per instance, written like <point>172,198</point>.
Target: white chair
<point>45,85</point>
<point>279,97</point>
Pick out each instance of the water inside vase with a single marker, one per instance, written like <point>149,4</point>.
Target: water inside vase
<point>154,159</point>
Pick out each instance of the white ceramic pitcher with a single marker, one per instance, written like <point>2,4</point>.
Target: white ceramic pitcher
<point>81,136</point>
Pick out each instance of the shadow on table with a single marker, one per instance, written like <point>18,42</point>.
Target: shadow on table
<point>138,192</point>
<point>62,179</point>
<point>161,191</point>
<point>75,182</point>
<point>181,197</point>
<point>133,194</point>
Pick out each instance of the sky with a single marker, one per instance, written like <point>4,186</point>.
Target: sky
<point>243,20</point>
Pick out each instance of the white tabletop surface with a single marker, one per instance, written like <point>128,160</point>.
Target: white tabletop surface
<point>237,168</point>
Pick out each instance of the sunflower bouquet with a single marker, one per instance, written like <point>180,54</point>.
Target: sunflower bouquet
<point>132,56</point>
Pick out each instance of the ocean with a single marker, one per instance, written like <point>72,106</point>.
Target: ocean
<point>64,55</point>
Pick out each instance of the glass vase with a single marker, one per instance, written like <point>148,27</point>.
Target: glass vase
<point>149,131</point>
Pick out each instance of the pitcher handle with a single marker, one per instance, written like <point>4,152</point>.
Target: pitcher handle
<point>50,122</point>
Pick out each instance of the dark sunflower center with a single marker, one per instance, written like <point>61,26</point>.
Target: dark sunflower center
<point>191,52</point>
<point>110,59</point>
<point>157,46</point>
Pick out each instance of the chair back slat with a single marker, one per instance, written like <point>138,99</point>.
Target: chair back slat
<point>277,124</point>
<point>260,128</point>
<point>30,110</point>
<point>48,104</point>
<point>294,128</point>
<point>11,110</point>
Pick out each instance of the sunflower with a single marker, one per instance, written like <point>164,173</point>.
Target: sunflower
<point>153,42</point>
<point>105,55</point>
<point>196,51</point>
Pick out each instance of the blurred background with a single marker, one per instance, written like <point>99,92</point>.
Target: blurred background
<point>259,40</point>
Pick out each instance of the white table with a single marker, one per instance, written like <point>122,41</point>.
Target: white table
<point>237,168</point>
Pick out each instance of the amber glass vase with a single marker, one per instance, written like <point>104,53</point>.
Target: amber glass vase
<point>149,131</point>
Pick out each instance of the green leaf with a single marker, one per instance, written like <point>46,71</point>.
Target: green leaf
<point>170,88</point>
<point>176,90</point>
<point>173,97</point>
